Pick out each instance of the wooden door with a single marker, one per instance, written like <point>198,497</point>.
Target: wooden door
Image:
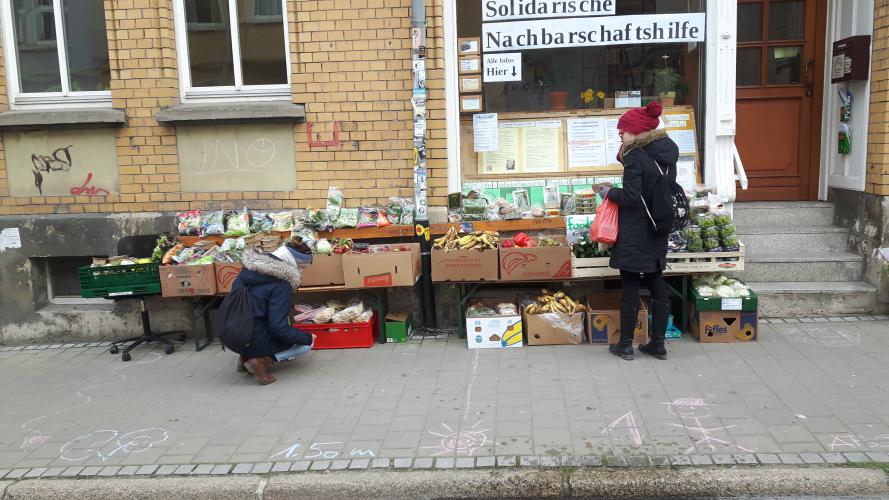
<point>780,71</point>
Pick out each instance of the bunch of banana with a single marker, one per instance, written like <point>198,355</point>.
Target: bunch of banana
<point>555,302</point>
<point>479,240</point>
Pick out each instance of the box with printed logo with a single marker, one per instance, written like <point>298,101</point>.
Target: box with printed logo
<point>536,263</point>
<point>383,266</point>
<point>464,265</point>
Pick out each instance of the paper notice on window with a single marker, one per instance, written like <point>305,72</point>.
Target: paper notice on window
<point>10,238</point>
<point>612,141</point>
<point>586,142</point>
<point>485,132</point>
<point>685,139</point>
<point>686,173</point>
<point>505,159</point>
<point>541,149</point>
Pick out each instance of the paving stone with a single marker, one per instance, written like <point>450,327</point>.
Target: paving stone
<point>262,468</point>
<point>465,463</point>
<point>548,461</point>
<point>281,467</point>
<point>320,465</point>
<point>379,463</point>
<point>484,462</point>
<point>723,459</point>
<point>701,460</point>
<point>445,463</point>
<point>879,457</point>
<point>790,458</point>
<point>571,461</point>
<point>74,471</point>
<point>680,460</point>
<point>87,472</point>
<point>53,472</point>
<point>242,468</point>
<point>339,465</point>
<point>811,458</point>
<point>359,464</point>
<point>183,470</point>
<point>146,470</point>
<point>35,472</point>
<point>109,471</point>
<point>424,463</point>
<point>660,461</point>
<point>507,461</point>
<point>638,461</point>
<point>402,463</point>
<point>616,462</point>
<point>768,458</point>
<point>745,459</point>
<point>221,469</point>
<point>529,461</point>
<point>202,470</point>
<point>856,457</point>
<point>592,461</point>
<point>834,458</point>
<point>4,472</point>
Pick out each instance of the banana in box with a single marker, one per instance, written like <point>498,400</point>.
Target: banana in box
<point>467,257</point>
<point>493,325</point>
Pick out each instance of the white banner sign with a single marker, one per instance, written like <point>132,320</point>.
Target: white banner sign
<point>589,32</point>
<point>502,10</point>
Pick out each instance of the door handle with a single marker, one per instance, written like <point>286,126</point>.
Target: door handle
<point>810,84</point>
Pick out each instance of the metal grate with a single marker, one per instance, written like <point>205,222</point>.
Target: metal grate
<point>62,275</point>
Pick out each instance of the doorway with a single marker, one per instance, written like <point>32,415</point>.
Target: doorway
<point>780,70</point>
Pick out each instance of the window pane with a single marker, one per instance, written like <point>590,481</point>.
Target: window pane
<point>35,40</point>
<point>749,65</point>
<point>784,65</point>
<point>87,44</point>
<point>261,29</point>
<point>209,43</point>
<point>749,22</point>
<point>786,20</point>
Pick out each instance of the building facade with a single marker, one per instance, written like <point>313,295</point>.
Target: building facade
<point>118,114</point>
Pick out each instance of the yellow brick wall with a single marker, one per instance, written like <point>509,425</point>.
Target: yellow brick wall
<point>350,63</point>
<point>878,127</point>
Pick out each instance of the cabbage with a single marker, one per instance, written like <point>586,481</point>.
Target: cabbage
<point>323,247</point>
<point>705,291</point>
<point>725,292</point>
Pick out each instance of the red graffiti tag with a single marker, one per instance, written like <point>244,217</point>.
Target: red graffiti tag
<point>86,190</point>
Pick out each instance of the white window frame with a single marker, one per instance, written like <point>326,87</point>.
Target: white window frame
<point>238,92</point>
<point>67,98</point>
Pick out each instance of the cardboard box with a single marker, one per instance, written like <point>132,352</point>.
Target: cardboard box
<point>603,319</point>
<point>399,327</point>
<point>383,269</point>
<point>554,328</point>
<point>465,265</point>
<point>226,273</point>
<point>325,270</point>
<point>538,263</point>
<point>724,327</point>
<point>493,332</point>
<point>188,281</point>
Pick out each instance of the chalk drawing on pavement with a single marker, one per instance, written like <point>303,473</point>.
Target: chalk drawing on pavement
<point>326,451</point>
<point>849,442</point>
<point>824,336</point>
<point>103,445</point>
<point>626,422</point>
<point>460,442</point>
<point>696,416</point>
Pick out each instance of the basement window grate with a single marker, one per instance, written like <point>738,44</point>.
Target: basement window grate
<point>62,275</point>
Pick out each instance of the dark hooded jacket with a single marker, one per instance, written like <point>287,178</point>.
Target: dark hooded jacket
<point>639,249</point>
<point>271,283</point>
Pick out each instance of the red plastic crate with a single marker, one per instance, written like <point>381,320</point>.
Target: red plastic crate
<point>343,335</point>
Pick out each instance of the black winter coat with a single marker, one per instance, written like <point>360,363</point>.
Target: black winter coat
<point>271,283</point>
<point>639,249</point>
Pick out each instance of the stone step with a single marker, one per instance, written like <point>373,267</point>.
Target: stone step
<point>814,298</point>
<point>819,266</point>
<point>802,213</point>
<point>793,240</point>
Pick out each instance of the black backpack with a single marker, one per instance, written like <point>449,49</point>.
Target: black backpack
<point>669,206</point>
<point>234,320</point>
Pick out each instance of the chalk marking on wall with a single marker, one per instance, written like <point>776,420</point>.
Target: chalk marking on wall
<point>36,437</point>
<point>629,421</point>
<point>462,442</point>
<point>259,154</point>
<point>99,443</point>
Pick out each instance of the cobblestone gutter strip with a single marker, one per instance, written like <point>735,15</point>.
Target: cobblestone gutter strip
<point>515,483</point>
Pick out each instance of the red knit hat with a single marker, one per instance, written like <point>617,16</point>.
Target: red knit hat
<point>639,120</point>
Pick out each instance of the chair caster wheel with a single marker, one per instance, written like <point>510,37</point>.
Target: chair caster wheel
<point>125,356</point>
<point>168,349</point>
<point>181,338</point>
<point>114,349</point>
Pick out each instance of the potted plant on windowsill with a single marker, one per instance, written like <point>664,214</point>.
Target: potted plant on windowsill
<point>665,82</point>
<point>560,80</point>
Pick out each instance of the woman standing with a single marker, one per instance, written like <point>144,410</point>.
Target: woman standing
<point>646,153</point>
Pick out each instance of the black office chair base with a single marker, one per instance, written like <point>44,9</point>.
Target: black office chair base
<point>147,337</point>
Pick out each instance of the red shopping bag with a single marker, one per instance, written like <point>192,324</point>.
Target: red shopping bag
<point>604,226</point>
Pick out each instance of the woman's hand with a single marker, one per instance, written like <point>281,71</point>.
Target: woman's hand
<point>602,188</point>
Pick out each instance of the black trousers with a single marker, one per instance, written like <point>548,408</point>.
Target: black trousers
<point>631,283</point>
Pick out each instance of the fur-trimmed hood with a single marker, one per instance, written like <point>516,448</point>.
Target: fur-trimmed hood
<point>269,265</point>
<point>657,144</point>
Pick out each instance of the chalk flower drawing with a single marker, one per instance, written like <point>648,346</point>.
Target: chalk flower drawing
<point>99,443</point>
<point>462,442</point>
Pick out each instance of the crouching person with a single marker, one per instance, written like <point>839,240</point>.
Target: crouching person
<point>271,280</point>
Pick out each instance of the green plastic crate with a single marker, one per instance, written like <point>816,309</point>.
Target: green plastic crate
<point>115,281</point>
<point>748,304</point>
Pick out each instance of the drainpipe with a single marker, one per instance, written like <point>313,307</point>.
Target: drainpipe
<point>418,103</point>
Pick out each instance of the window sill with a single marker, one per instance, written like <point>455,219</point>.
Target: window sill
<point>235,112</point>
<point>62,118</point>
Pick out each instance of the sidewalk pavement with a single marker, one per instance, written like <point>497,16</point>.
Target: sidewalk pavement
<point>805,393</point>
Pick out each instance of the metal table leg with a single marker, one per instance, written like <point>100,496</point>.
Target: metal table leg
<point>381,297</point>
<point>200,308</point>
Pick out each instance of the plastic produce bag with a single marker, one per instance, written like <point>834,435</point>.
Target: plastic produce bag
<point>367,217</point>
<point>604,226</point>
<point>189,223</point>
<point>212,223</point>
<point>282,221</point>
<point>334,202</point>
<point>237,223</point>
<point>407,215</point>
<point>348,218</point>
<point>262,222</point>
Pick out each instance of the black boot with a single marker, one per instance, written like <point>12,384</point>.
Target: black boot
<point>624,347</point>
<point>660,311</point>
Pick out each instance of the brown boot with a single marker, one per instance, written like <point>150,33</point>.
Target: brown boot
<point>241,360</point>
<point>260,369</point>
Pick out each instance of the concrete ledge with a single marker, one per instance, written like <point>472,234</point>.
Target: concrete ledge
<point>62,118</point>
<point>238,112</point>
<point>526,483</point>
